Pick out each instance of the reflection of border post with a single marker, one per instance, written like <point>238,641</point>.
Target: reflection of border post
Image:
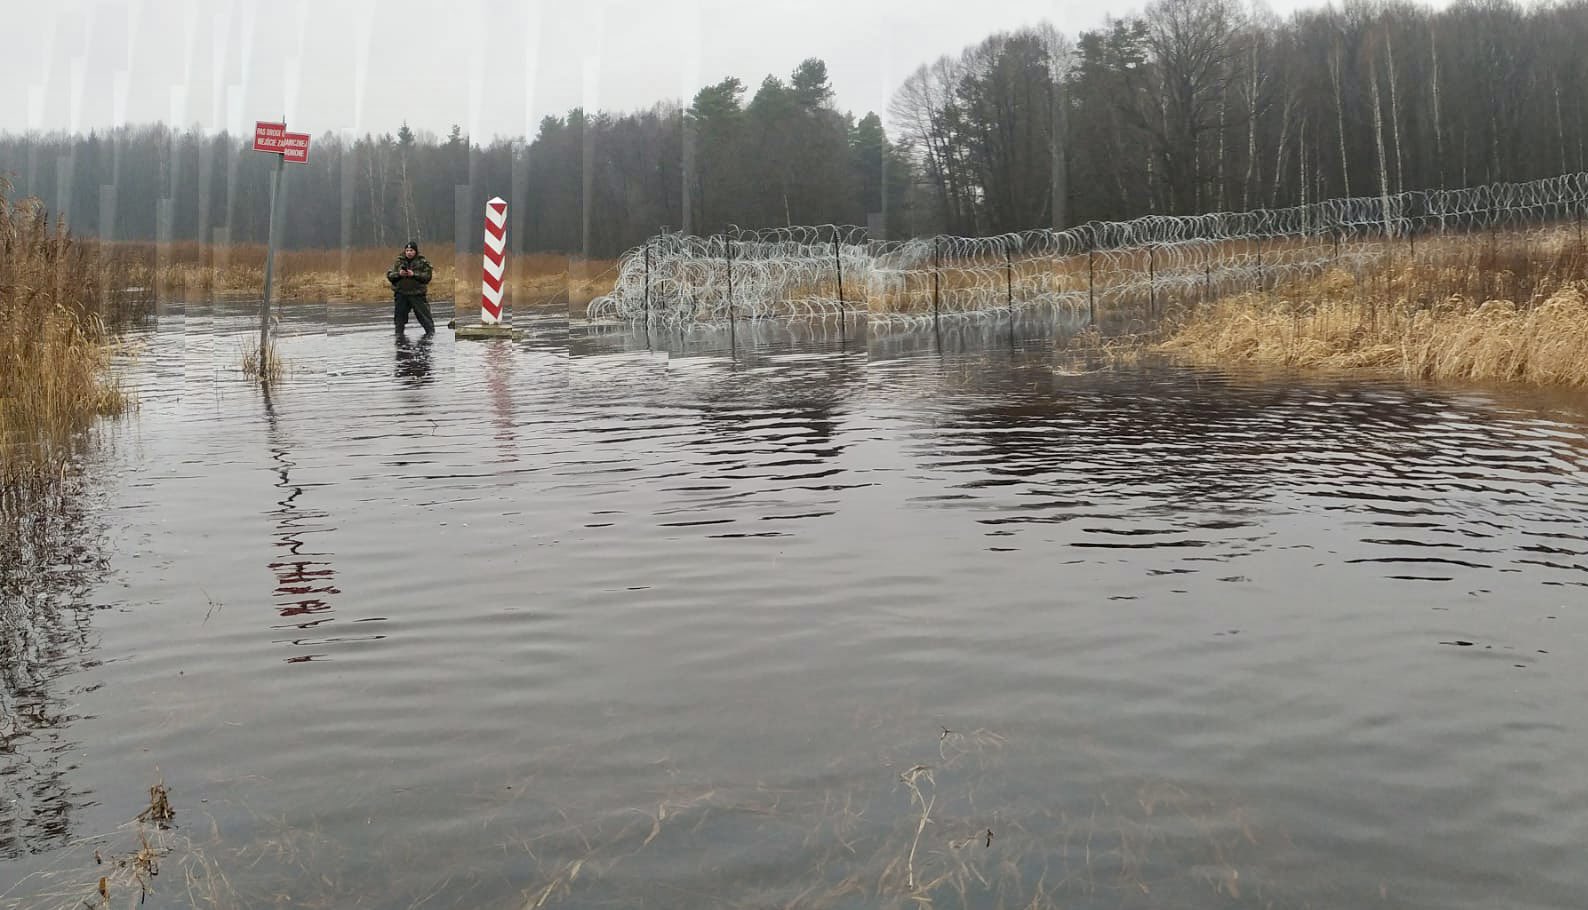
<point>498,370</point>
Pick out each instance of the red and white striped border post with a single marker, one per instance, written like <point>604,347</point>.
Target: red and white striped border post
<point>495,261</point>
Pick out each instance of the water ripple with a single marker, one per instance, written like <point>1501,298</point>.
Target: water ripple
<point>689,610</point>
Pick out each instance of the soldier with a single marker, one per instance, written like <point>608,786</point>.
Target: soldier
<point>408,276</point>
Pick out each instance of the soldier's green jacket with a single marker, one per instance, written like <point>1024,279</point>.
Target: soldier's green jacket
<point>415,284</point>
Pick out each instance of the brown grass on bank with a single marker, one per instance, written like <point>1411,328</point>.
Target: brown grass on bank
<point>191,269</point>
<point>1467,309</point>
<point>56,297</point>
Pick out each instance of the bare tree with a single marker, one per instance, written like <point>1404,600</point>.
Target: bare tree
<point>1378,135</point>
<point>924,106</point>
<point>1433,84</point>
<point>1395,106</point>
<point>1335,75</point>
<point>1061,68</point>
<point>1193,45</point>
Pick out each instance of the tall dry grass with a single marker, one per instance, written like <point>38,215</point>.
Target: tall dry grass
<point>1473,308</point>
<point>58,297</point>
<point>191,269</point>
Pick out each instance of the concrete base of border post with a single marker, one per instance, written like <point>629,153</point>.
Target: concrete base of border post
<point>485,331</point>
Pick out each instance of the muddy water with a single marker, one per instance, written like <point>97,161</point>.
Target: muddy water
<point>607,620</point>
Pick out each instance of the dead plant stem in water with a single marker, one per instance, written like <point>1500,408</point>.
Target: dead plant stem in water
<point>267,369</point>
<point>911,778</point>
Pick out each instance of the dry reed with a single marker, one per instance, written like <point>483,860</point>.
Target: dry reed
<point>1464,309</point>
<point>267,370</point>
<point>57,299</point>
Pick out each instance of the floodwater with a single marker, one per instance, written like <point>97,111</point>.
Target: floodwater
<point>798,618</point>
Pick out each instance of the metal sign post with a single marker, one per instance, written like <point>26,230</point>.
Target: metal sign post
<point>274,139</point>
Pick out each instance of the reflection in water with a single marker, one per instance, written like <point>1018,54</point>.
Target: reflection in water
<point>814,617</point>
<point>51,557</point>
<point>1209,467</point>
<point>305,579</point>
<point>414,360</point>
<point>499,375</point>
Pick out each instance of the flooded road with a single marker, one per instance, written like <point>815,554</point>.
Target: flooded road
<point>800,618</point>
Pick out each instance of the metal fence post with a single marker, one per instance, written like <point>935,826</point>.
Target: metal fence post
<point>1152,279</point>
<point>1091,286</point>
<point>838,262</point>
<point>728,242</point>
<point>1009,274</point>
<point>1207,274</point>
<point>937,259</point>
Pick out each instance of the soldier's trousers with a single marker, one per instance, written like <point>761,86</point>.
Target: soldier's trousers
<point>421,310</point>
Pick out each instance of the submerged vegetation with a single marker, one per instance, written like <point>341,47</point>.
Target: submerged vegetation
<point>1470,308</point>
<point>124,869</point>
<point>266,367</point>
<point>59,299</point>
<point>949,830</point>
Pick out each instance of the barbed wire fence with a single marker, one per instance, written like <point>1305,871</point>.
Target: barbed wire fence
<point>837,271</point>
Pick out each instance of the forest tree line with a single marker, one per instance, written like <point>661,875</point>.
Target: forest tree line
<point>1190,106</point>
<point>1205,105</point>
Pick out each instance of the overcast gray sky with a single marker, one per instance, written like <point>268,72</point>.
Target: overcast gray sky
<point>495,67</point>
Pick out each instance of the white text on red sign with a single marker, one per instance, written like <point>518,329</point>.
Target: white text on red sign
<point>267,136</point>
<point>295,146</point>
<point>273,137</point>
